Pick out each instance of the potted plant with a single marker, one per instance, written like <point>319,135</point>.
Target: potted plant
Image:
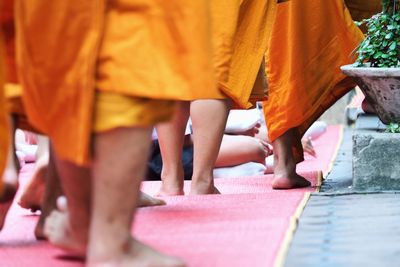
<point>377,69</point>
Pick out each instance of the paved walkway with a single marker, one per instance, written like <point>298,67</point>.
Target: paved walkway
<point>341,227</point>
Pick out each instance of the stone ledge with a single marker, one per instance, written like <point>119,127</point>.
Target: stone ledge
<point>376,156</point>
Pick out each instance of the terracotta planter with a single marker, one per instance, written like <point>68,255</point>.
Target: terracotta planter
<point>381,87</point>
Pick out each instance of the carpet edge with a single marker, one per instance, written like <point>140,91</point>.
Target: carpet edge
<point>284,247</point>
<point>336,151</point>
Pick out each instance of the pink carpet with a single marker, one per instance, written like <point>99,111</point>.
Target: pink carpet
<point>242,227</point>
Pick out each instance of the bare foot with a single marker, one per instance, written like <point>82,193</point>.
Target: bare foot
<point>172,183</point>
<point>203,189</point>
<point>62,204</point>
<point>57,202</point>
<point>146,200</point>
<point>32,195</point>
<point>39,228</point>
<point>33,192</point>
<point>285,176</point>
<point>56,228</point>
<point>289,182</point>
<point>52,197</point>
<point>136,254</point>
<point>59,233</point>
<point>170,191</point>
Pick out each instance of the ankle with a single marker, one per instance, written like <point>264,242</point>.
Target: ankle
<point>103,249</point>
<point>284,170</point>
<point>172,180</point>
<point>171,189</point>
<point>79,227</point>
<point>202,184</point>
<point>172,170</point>
<point>284,166</point>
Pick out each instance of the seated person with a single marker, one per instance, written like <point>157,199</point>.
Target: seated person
<point>244,147</point>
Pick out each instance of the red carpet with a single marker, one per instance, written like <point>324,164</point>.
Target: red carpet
<point>243,227</point>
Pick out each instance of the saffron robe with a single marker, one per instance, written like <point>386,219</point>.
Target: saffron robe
<point>241,32</point>
<point>144,49</point>
<point>12,90</point>
<point>4,127</point>
<point>4,132</point>
<point>310,41</point>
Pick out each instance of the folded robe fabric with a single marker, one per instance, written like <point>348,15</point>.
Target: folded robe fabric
<point>5,50</point>
<point>310,41</point>
<point>167,54</point>
<point>241,32</point>
<point>12,90</point>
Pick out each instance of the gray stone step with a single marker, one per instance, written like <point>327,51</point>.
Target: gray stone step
<point>376,156</point>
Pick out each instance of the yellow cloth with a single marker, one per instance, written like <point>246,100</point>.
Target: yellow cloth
<point>241,31</point>
<point>15,107</point>
<point>310,41</point>
<point>113,110</point>
<point>152,49</point>
<point>13,95</point>
<point>163,52</point>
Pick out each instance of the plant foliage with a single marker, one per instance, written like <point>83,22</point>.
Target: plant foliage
<point>393,128</point>
<point>381,46</point>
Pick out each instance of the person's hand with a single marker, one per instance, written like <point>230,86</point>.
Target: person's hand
<point>267,148</point>
<point>308,147</point>
<point>253,131</point>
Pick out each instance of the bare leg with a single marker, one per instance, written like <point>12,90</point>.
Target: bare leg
<point>239,149</point>
<point>52,191</point>
<point>115,197</point>
<point>10,180</point>
<point>209,120</point>
<point>285,176</point>
<point>45,187</point>
<point>58,228</point>
<point>32,195</point>
<point>70,230</point>
<point>59,220</point>
<point>171,136</point>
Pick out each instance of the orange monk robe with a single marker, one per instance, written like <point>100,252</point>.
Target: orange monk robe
<point>241,32</point>
<point>144,49</point>
<point>4,138</point>
<point>8,30</point>
<point>12,90</point>
<point>4,133</point>
<point>310,41</point>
